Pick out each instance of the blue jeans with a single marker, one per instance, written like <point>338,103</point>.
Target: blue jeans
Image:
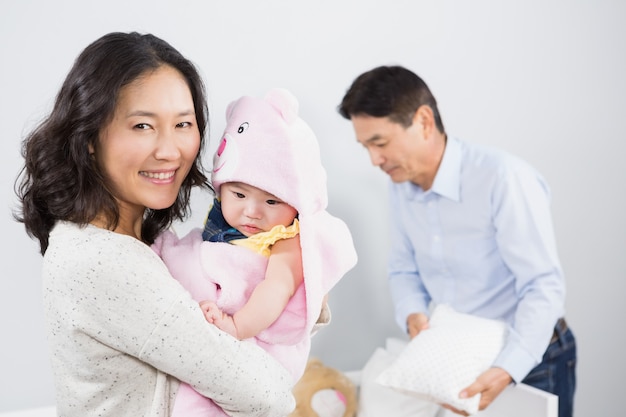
<point>557,371</point>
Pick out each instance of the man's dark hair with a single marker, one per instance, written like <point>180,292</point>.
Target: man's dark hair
<point>389,91</point>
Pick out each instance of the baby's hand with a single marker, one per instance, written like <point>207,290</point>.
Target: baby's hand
<point>212,312</point>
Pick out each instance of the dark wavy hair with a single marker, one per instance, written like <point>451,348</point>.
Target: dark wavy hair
<point>389,91</point>
<point>59,180</point>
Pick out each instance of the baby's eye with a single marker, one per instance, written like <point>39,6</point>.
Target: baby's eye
<point>239,195</point>
<point>243,127</point>
<point>272,202</point>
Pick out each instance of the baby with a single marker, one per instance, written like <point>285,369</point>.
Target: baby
<point>272,201</point>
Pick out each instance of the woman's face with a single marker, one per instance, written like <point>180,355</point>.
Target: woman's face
<point>148,148</point>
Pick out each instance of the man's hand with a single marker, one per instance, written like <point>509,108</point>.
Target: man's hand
<point>489,384</point>
<point>415,323</point>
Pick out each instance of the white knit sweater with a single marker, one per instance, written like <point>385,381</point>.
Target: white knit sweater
<point>122,332</point>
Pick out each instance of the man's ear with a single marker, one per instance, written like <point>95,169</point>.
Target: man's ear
<point>425,117</point>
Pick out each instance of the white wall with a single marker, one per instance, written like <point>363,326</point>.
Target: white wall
<point>542,79</point>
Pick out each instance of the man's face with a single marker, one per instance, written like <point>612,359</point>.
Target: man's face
<point>395,149</point>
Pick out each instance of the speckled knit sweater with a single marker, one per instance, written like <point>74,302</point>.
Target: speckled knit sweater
<point>122,333</point>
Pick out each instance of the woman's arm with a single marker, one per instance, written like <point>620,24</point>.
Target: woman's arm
<point>158,322</point>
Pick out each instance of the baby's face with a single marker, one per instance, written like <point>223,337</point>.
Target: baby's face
<point>252,210</point>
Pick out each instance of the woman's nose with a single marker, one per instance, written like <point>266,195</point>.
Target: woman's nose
<point>167,146</point>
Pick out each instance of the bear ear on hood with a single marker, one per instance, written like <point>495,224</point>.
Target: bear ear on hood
<point>231,106</point>
<point>285,102</point>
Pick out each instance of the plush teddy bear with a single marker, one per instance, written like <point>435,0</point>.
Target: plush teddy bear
<point>324,392</point>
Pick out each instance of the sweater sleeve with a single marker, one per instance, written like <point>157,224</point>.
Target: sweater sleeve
<point>127,301</point>
<point>239,376</point>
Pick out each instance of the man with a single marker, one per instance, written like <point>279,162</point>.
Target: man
<point>471,227</point>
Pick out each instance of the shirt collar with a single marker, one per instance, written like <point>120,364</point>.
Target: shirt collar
<point>447,181</point>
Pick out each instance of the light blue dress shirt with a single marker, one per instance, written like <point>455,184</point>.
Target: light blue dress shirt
<point>481,240</point>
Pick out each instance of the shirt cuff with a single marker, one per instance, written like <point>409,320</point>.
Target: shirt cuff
<point>514,359</point>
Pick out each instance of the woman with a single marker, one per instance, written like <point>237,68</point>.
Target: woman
<point>109,169</point>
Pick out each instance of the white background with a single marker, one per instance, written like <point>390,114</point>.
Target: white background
<point>542,79</point>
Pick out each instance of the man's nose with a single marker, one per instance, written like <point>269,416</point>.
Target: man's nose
<point>376,157</point>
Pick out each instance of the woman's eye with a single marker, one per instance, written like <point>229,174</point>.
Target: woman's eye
<point>142,126</point>
<point>184,124</point>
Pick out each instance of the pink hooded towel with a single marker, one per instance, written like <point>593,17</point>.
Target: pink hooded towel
<point>267,145</point>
